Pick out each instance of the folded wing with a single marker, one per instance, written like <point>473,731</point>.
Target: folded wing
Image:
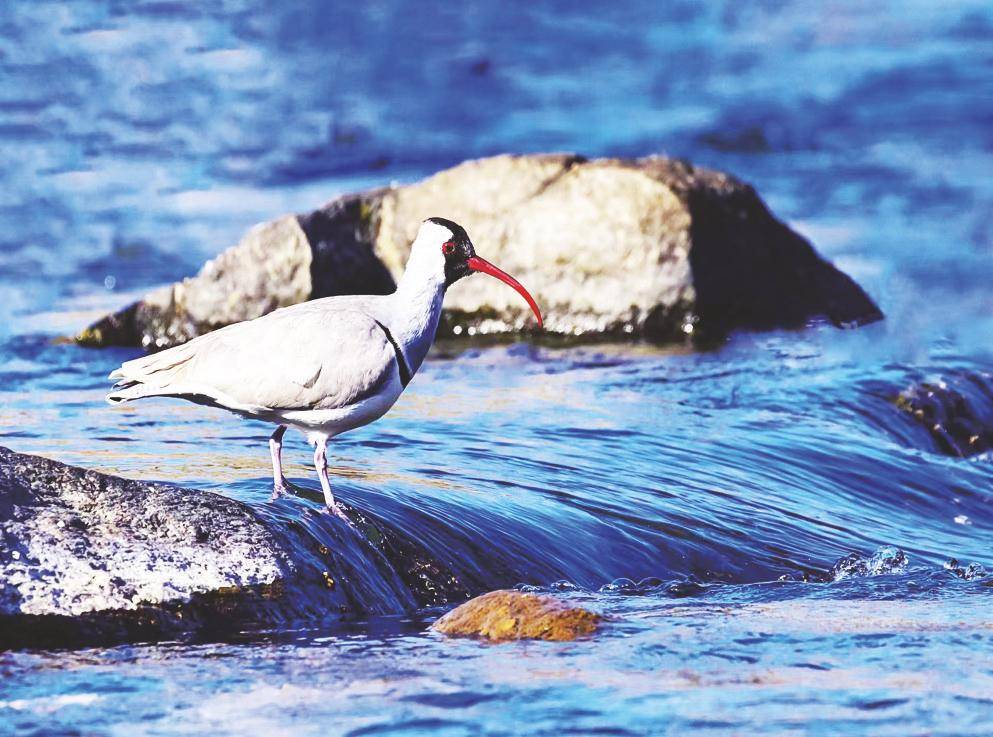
<point>311,356</point>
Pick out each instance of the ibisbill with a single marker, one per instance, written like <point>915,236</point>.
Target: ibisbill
<point>322,367</point>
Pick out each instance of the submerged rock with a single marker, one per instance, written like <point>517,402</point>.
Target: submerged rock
<point>650,247</point>
<point>957,411</point>
<point>86,557</point>
<point>515,615</point>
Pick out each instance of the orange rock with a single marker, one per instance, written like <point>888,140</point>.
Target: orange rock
<point>514,615</point>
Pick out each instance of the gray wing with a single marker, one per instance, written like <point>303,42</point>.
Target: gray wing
<point>318,355</point>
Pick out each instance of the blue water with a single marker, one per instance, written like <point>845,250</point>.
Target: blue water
<point>703,499</point>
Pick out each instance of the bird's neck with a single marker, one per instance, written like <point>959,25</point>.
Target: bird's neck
<point>418,300</point>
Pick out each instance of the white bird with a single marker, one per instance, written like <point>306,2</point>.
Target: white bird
<point>322,367</point>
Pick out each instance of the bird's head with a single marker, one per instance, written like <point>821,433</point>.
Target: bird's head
<point>447,246</point>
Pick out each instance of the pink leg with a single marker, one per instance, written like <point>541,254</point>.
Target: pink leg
<point>275,446</point>
<point>321,464</point>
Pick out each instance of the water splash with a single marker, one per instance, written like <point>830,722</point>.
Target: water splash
<point>970,572</point>
<point>654,586</point>
<point>886,560</point>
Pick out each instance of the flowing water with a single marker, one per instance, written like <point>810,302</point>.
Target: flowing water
<point>771,529</point>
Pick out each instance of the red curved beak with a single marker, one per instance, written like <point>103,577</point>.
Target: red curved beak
<point>481,264</point>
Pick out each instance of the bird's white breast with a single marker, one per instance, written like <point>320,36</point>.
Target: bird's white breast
<point>326,423</point>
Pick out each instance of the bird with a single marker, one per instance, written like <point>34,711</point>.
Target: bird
<point>322,367</point>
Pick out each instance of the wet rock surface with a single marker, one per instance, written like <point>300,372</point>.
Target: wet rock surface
<point>651,247</point>
<point>90,558</point>
<point>516,615</point>
<point>956,410</point>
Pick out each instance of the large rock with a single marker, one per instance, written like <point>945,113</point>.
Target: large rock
<point>652,247</point>
<point>86,557</point>
<point>515,615</point>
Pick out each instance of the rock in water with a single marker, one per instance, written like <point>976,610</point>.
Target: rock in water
<point>91,558</point>
<point>515,615</point>
<point>956,410</point>
<point>650,247</point>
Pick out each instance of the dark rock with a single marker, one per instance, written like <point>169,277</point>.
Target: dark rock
<point>339,235</point>
<point>91,558</point>
<point>749,269</point>
<point>956,410</point>
<point>650,247</point>
<point>515,615</point>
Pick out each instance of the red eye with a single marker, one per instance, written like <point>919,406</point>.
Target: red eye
<point>448,248</point>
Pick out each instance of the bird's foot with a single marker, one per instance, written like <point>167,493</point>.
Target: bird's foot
<point>337,511</point>
<point>282,488</point>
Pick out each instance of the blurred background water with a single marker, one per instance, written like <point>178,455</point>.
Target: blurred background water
<point>671,488</point>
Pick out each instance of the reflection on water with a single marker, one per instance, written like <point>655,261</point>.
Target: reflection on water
<point>703,499</point>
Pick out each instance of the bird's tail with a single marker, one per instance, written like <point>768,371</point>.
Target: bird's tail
<point>128,390</point>
<point>147,375</point>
